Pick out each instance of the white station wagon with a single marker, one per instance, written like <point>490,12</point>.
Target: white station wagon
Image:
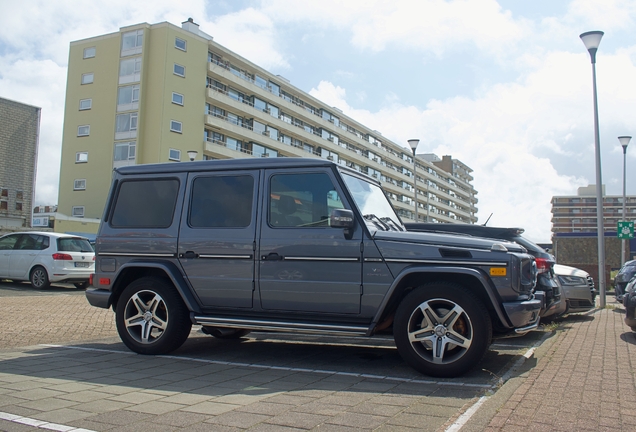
<point>45,257</point>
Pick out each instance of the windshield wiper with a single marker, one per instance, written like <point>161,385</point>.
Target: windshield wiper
<point>379,222</point>
<point>395,224</point>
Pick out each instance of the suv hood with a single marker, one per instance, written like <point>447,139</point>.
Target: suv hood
<point>451,240</point>
<point>563,270</point>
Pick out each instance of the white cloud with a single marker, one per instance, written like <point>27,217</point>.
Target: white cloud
<point>427,25</point>
<point>251,34</point>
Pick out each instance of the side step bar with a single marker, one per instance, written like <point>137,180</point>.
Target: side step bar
<point>281,326</point>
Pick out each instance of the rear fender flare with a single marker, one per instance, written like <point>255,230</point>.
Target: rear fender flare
<point>171,271</point>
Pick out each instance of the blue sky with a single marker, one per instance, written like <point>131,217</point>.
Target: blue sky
<point>504,86</point>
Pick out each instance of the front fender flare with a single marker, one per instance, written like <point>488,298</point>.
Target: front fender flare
<point>479,276</point>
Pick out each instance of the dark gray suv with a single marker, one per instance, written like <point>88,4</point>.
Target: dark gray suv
<point>299,245</point>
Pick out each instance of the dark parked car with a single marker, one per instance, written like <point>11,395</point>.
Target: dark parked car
<point>546,282</point>
<point>623,277</point>
<point>299,245</point>
<point>629,301</point>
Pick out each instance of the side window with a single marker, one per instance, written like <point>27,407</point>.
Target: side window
<point>42,243</point>
<point>145,203</point>
<point>7,243</point>
<point>222,202</point>
<point>302,200</point>
<point>27,242</point>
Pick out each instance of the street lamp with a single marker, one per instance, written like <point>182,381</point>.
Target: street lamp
<point>624,140</point>
<point>591,40</point>
<point>192,154</point>
<point>413,143</point>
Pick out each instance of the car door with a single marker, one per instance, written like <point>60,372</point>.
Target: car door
<point>217,237</point>
<point>6,250</point>
<point>23,255</point>
<point>304,264</point>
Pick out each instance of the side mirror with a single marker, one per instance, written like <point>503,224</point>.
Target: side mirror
<point>341,218</point>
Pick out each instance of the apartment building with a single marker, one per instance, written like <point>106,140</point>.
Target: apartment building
<point>19,136</point>
<point>161,93</point>
<point>571,214</point>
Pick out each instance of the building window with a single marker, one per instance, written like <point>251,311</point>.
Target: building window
<point>177,98</point>
<point>179,70</point>
<point>131,42</point>
<point>174,155</point>
<point>126,126</point>
<point>19,195</point>
<point>81,157</point>
<point>87,78</point>
<point>125,152</point>
<point>79,184</point>
<point>4,193</point>
<point>84,130</point>
<point>180,44</point>
<point>175,126</point>
<point>18,206</point>
<point>85,104</point>
<point>78,211</point>
<point>128,98</point>
<point>3,205</point>
<point>89,52</point>
<point>130,70</point>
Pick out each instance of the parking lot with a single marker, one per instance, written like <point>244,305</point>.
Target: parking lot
<point>63,367</point>
<point>62,363</point>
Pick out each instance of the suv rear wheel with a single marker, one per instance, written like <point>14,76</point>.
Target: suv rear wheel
<point>151,318</point>
<point>442,329</point>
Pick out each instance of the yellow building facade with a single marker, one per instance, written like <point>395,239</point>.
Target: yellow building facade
<point>154,93</point>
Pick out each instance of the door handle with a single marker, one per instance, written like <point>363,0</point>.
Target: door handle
<point>272,256</point>
<point>189,255</point>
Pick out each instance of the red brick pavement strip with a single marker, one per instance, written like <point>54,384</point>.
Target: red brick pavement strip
<point>52,319</point>
<point>584,382</point>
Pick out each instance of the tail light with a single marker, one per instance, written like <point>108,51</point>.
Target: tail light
<point>543,265</point>
<point>90,279</point>
<point>62,257</point>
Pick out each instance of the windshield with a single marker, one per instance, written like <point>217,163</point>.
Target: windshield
<point>373,204</point>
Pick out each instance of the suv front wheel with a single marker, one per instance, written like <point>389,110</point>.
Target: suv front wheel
<point>151,318</point>
<point>442,329</point>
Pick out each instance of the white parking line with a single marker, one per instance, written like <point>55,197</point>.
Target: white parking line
<point>40,424</point>
<point>292,369</point>
<point>463,419</point>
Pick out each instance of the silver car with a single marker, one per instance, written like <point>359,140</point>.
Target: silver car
<point>577,286</point>
<point>45,257</point>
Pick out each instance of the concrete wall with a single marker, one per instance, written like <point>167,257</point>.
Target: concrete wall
<point>19,133</point>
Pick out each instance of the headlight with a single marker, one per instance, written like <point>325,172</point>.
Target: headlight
<point>572,280</point>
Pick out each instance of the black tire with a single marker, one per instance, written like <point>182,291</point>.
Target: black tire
<point>81,285</point>
<point>39,278</point>
<point>152,300</point>
<point>455,318</point>
<point>225,333</point>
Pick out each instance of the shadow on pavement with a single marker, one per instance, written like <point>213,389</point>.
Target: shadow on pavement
<point>629,337</point>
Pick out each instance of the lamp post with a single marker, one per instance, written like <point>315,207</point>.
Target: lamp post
<point>413,143</point>
<point>592,40</point>
<point>192,154</point>
<point>624,140</point>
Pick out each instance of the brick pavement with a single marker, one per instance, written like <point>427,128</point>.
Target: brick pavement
<point>584,382</point>
<point>52,319</point>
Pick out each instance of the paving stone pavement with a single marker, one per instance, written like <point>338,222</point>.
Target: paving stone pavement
<point>584,382</point>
